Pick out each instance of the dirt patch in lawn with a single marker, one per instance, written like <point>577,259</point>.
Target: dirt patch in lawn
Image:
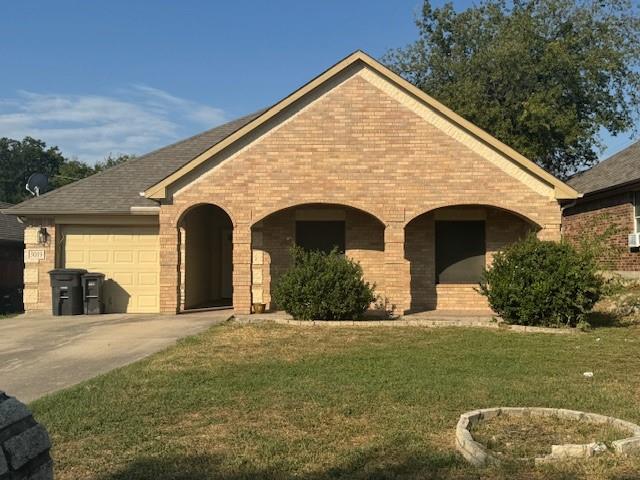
<point>529,437</point>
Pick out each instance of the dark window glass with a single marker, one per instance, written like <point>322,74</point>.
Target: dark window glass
<point>460,251</point>
<point>323,236</point>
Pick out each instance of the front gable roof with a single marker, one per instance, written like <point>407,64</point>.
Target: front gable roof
<point>141,182</point>
<point>520,163</point>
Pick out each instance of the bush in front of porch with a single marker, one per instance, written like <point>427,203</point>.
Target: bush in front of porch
<point>323,286</point>
<point>536,282</point>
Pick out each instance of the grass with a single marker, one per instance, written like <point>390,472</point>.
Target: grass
<point>263,401</point>
<point>518,437</point>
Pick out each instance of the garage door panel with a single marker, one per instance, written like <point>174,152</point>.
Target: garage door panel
<point>129,258</point>
<point>125,256</point>
<point>147,257</point>
<point>147,279</point>
<point>99,257</point>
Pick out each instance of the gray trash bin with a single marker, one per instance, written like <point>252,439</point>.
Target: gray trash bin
<point>66,291</point>
<point>92,283</point>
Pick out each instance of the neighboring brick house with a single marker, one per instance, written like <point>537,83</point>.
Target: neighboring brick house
<point>357,158</point>
<point>11,262</point>
<point>610,203</point>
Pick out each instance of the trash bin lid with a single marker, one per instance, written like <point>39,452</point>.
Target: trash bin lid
<point>68,271</point>
<point>93,275</point>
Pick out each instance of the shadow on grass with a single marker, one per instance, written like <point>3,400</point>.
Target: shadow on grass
<point>605,319</point>
<point>218,467</point>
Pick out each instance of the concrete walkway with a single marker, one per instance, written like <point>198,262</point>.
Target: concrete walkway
<point>40,353</point>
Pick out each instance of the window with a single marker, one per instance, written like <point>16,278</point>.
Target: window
<point>321,235</point>
<point>636,211</point>
<point>460,251</point>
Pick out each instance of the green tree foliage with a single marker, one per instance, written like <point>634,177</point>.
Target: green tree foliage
<point>69,172</point>
<point>543,76</point>
<point>72,170</point>
<point>111,161</point>
<point>19,159</point>
<point>536,282</point>
<point>323,286</point>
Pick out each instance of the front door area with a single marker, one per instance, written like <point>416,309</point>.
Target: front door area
<point>206,264</point>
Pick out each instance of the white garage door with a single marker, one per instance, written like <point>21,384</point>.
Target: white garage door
<point>129,258</point>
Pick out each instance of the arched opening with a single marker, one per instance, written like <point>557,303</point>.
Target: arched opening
<point>206,266</point>
<point>448,249</point>
<point>355,232</point>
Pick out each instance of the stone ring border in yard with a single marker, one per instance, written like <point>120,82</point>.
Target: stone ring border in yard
<point>477,454</point>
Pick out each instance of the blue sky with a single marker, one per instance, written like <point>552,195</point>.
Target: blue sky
<point>129,76</point>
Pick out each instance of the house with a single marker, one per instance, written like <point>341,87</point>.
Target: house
<point>610,201</point>
<point>357,158</point>
<point>11,262</point>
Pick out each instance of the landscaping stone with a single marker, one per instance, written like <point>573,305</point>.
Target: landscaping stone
<point>477,454</point>
<point>12,411</point>
<point>627,445</point>
<point>24,444</point>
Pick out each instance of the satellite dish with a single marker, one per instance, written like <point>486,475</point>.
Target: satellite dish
<point>37,184</point>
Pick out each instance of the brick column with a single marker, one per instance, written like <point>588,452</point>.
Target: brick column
<point>242,268</point>
<point>551,222</point>
<point>182,261</point>
<point>550,231</point>
<point>396,268</point>
<point>169,266</point>
<point>38,260</point>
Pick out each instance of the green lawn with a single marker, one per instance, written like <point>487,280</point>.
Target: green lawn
<point>270,401</point>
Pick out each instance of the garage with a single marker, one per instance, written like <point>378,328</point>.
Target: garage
<point>127,255</point>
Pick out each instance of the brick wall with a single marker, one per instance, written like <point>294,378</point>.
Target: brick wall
<point>356,146</point>
<point>364,243</point>
<point>38,260</point>
<point>595,217</point>
<point>501,229</point>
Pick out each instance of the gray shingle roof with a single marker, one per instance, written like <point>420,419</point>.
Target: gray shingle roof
<point>10,228</point>
<point>118,189</point>
<point>622,167</point>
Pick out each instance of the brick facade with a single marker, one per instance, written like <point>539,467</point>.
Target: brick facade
<point>39,259</point>
<point>363,148</point>
<point>358,148</point>
<point>594,217</point>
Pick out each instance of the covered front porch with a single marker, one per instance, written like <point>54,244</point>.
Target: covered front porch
<point>433,262</point>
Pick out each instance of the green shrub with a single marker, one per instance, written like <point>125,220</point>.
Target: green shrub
<point>323,286</point>
<point>535,282</point>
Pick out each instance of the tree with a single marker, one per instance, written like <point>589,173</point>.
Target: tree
<point>111,161</point>
<point>543,76</point>
<point>72,170</point>
<point>19,159</point>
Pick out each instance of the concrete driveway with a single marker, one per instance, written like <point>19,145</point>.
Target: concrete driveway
<point>40,353</point>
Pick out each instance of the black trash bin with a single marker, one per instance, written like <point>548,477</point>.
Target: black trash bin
<point>66,291</point>
<point>92,286</point>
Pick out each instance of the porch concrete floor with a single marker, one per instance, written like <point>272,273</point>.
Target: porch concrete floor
<point>40,353</point>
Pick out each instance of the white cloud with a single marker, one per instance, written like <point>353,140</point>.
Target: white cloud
<point>136,120</point>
